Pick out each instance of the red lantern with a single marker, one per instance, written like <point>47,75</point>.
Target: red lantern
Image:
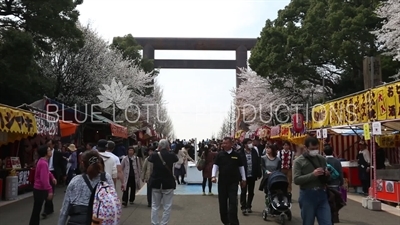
<point>298,123</point>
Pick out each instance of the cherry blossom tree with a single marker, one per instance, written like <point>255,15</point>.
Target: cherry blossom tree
<point>228,125</point>
<point>389,34</point>
<point>80,74</point>
<point>157,113</point>
<point>261,104</point>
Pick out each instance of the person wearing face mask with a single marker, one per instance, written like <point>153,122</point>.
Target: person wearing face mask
<point>311,174</point>
<point>252,167</point>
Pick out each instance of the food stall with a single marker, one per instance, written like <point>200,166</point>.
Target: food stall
<point>15,125</point>
<point>264,133</point>
<point>354,111</point>
<point>388,179</point>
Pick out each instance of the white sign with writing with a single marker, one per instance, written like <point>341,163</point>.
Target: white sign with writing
<point>319,135</point>
<point>325,133</point>
<point>47,125</point>
<point>376,128</point>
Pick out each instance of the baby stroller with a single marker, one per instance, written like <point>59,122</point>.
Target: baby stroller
<point>277,201</point>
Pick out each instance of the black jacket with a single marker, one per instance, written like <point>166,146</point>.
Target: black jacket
<point>162,176</point>
<point>58,164</point>
<point>256,163</point>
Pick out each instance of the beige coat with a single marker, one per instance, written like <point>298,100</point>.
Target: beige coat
<point>183,157</point>
<point>147,170</point>
<point>136,167</point>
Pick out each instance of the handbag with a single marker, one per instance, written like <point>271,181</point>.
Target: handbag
<point>78,214</point>
<point>343,191</point>
<point>201,163</point>
<point>166,166</point>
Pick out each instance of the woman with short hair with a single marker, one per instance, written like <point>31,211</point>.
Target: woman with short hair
<point>42,188</point>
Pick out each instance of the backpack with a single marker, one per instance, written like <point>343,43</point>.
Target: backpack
<point>334,173</point>
<point>104,204</point>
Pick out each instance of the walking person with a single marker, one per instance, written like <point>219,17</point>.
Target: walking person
<point>56,167</point>
<point>140,151</point>
<point>311,174</point>
<point>162,182</point>
<point>72,163</point>
<point>110,163</point>
<point>76,208</point>
<point>252,167</point>
<point>147,170</point>
<point>286,155</point>
<point>231,171</point>
<point>269,163</point>
<point>334,182</point>
<point>42,189</point>
<point>209,157</point>
<point>180,167</point>
<point>110,148</point>
<point>131,169</point>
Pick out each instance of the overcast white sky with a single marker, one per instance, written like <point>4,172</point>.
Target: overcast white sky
<point>198,100</point>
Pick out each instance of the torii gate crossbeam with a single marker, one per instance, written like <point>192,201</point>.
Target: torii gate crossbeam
<point>240,45</point>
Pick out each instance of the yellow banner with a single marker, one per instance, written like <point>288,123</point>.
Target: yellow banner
<point>386,141</point>
<point>320,116</point>
<point>357,100</point>
<point>378,104</point>
<point>364,107</point>
<point>351,110</point>
<point>367,134</point>
<point>337,111</point>
<point>372,106</point>
<point>16,124</point>
<point>381,103</point>
<point>392,100</point>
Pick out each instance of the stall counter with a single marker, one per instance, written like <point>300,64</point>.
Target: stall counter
<point>388,185</point>
<point>350,171</point>
<point>388,191</point>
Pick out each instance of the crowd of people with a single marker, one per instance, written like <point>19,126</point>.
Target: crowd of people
<point>163,165</point>
<point>250,160</point>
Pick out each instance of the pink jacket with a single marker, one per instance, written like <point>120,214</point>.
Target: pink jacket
<point>43,176</point>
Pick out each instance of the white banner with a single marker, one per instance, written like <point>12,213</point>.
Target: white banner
<point>47,125</point>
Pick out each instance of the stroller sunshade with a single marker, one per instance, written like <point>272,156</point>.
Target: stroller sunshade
<point>277,181</point>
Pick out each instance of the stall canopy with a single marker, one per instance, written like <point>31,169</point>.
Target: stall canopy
<point>116,129</point>
<point>67,128</point>
<point>16,124</point>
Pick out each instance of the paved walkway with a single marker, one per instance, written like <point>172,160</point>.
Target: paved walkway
<point>192,208</point>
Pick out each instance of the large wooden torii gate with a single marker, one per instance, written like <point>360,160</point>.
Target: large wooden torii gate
<point>240,45</point>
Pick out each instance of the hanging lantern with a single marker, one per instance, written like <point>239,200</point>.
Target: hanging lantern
<point>298,123</point>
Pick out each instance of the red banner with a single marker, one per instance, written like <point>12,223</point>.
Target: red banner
<point>118,130</point>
